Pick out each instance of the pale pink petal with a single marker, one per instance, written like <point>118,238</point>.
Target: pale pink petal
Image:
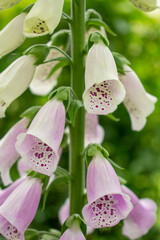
<point>94,133</point>
<point>20,207</point>
<point>138,102</point>
<point>39,146</point>
<point>141,218</point>
<point>73,233</point>
<point>8,156</point>
<point>22,167</point>
<point>7,191</point>
<point>107,205</point>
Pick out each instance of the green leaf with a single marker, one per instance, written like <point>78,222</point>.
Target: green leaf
<point>58,180</point>
<point>74,106</point>
<point>28,8</point>
<point>60,59</point>
<point>40,51</point>
<point>91,13</point>
<point>31,234</point>
<point>60,172</point>
<point>61,38</point>
<point>112,117</point>
<point>115,164</point>
<point>99,23</point>
<point>59,65</point>
<point>30,112</point>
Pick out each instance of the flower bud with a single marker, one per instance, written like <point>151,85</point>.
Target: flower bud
<point>4,4</point>
<point>146,5</point>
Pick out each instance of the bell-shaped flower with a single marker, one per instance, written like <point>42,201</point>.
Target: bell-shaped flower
<point>141,218</point>
<point>64,214</point>
<point>42,84</point>
<point>8,153</point>
<point>107,204</point>
<point>12,35</point>
<point>94,133</point>
<point>74,233</point>
<point>14,80</point>
<point>103,90</point>
<point>19,209</point>
<point>4,4</point>
<point>39,146</point>
<point>43,18</point>
<point>146,5</point>
<point>138,102</point>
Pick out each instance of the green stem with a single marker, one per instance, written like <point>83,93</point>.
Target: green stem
<point>77,170</point>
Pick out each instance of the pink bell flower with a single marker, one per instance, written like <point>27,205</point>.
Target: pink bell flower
<point>64,214</point>
<point>107,204</point>
<point>94,133</point>
<point>19,209</point>
<point>103,90</point>
<point>74,233</point>
<point>138,102</point>
<point>141,218</point>
<point>39,146</point>
<point>8,153</point>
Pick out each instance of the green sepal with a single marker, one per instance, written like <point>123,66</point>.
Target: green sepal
<point>99,23</point>
<point>74,106</point>
<point>30,112</point>
<point>122,180</point>
<point>44,178</point>
<point>92,150</point>
<point>95,38</point>
<point>40,51</point>
<point>91,13</point>
<point>28,8</point>
<point>115,164</point>
<point>70,101</point>
<point>112,117</point>
<point>120,62</point>
<point>61,38</point>
<point>74,218</point>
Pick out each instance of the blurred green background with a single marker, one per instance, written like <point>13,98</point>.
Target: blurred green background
<point>137,38</point>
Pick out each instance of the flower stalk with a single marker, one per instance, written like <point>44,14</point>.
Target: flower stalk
<point>77,83</point>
